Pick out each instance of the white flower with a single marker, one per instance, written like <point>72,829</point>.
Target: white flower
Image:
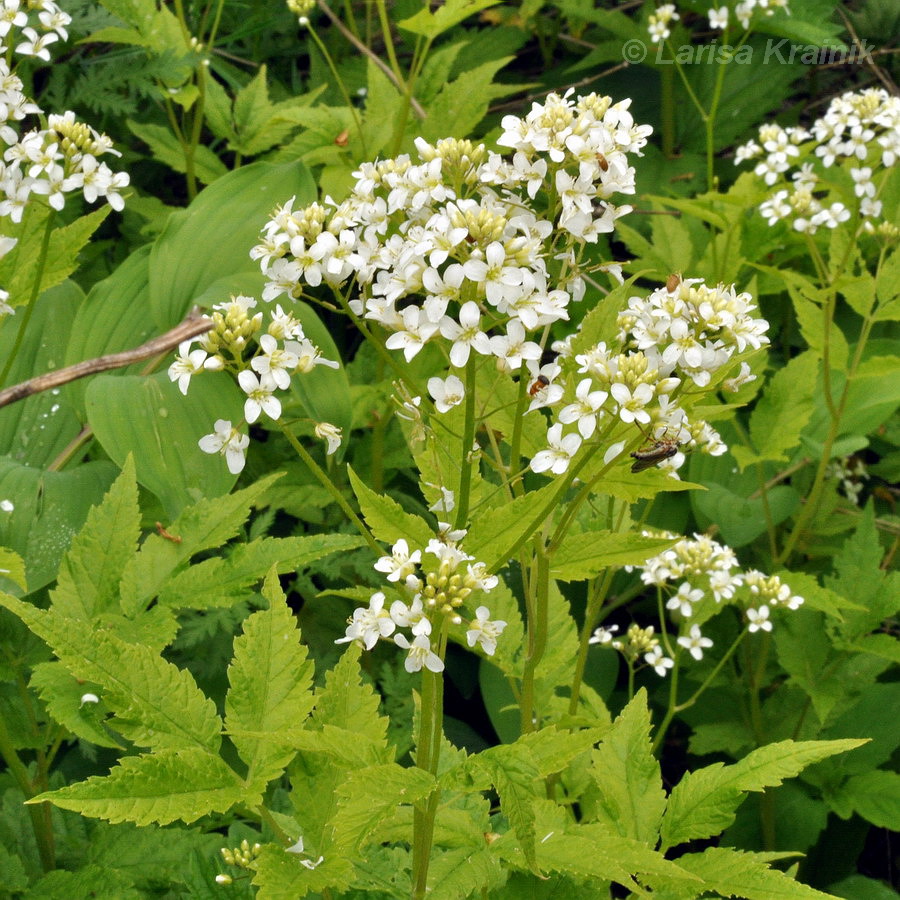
<point>331,434</point>
<point>631,404</point>
<point>88,698</point>
<point>229,442</point>
<point>718,18</point>
<point>685,599</point>
<point>603,635</point>
<point>584,410</point>
<point>560,452</point>
<point>661,664</point>
<point>420,654</point>
<point>274,361</point>
<point>759,619</point>
<point>483,631</point>
<point>412,616</point>
<point>399,564</point>
<point>187,363</point>
<point>512,347</point>
<point>298,848</point>
<point>466,335</point>
<point>447,393</point>
<point>695,642</point>
<point>368,625</point>
<point>259,396</point>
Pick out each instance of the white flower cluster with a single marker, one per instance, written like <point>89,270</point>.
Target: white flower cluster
<point>743,12</point>
<point>449,250</point>
<point>860,131</point>
<point>683,329</point>
<point>433,584</point>
<point>702,568</point>
<point>41,23</point>
<point>262,364</point>
<point>659,22</point>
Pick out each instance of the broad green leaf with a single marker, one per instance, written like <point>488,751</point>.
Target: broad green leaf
<point>61,693</point>
<point>809,317</point>
<point>597,851</point>
<point>212,238</point>
<point>371,796</point>
<point>224,580</point>
<point>36,430</point>
<point>92,881</point>
<point>875,796</point>
<point>165,148</point>
<point>270,687</point>
<point>430,24</point>
<point>113,317</point>
<point>464,872</point>
<point>552,749</point>
<point>495,531</point>
<point>48,509</point>
<point>781,413</point>
<point>742,519</point>
<point>859,292</point>
<point>386,518</point>
<point>282,876</point>
<point>159,26</point>
<point>587,554</point>
<point>156,703</point>
<point>704,802</point>
<point>150,418</point>
<point>627,777</point>
<point>815,596</point>
<point>163,787</point>
<point>88,582</point>
<point>12,568</point>
<point>17,270</point>
<point>203,526</point>
<point>747,875</point>
<point>516,777</point>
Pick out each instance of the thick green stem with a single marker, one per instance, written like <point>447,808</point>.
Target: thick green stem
<point>467,462</point>
<point>536,640</point>
<point>428,749</point>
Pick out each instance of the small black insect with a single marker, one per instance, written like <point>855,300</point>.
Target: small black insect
<point>644,459</point>
<point>539,384</point>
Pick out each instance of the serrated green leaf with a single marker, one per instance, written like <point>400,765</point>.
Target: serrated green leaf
<point>631,800</point>
<point>163,787</point>
<point>270,690</point>
<point>157,704</point>
<point>370,796</point>
<point>88,581</point>
<point>495,531</point>
<point>165,148</point>
<point>61,693</point>
<point>223,581</point>
<point>587,554</point>
<point>704,802</point>
<point>515,776</point>
<point>282,876</point>
<point>733,873</point>
<point>430,24</point>
<point>742,519</point>
<point>781,413</point>
<point>386,518</point>
<point>552,749</point>
<point>875,796</point>
<point>89,881</point>
<point>203,526</point>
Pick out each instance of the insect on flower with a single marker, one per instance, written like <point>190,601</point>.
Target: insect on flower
<point>539,384</point>
<point>673,281</point>
<point>603,162</point>
<point>661,449</point>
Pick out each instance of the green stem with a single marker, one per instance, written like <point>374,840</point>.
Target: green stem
<point>38,813</point>
<point>515,444</point>
<point>428,749</point>
<point>467,462</point>
<point>32,300</point>
<point>536,640</point>
<point>329,486</point>
<point>592,613</point>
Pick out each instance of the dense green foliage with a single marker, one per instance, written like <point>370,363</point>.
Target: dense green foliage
<point>186,691</point>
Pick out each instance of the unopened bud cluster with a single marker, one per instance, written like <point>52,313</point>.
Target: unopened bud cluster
<point>427,592</point>
<point>241,856</point>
